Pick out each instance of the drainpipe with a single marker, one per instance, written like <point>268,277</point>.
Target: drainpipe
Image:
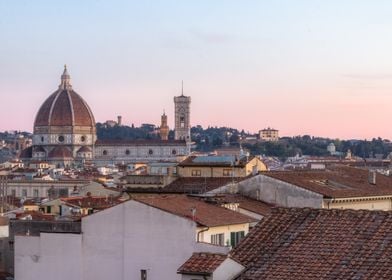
<point>329,201</point>
<point>203,230</point>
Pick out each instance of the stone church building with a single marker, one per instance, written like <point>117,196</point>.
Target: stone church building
<point>65,134</point>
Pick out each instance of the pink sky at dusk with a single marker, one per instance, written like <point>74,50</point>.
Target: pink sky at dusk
<point>315,68</point>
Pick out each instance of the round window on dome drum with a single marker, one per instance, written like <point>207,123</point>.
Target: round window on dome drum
<point>150,152</point>
<point>127,152</point>
<point>61,138</point>
<point>83,138</point>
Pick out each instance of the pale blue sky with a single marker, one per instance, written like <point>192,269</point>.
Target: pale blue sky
<point>317,67</point>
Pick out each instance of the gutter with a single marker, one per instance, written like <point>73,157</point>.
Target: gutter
<point>198,234</point>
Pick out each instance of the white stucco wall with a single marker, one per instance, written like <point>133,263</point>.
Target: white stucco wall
<point>122,240</point>
<point>228,270</point>
<point>226,230</point>
<point>371,203</point>
<point>279,193</point>
<point>115,244</point>
<point>49,256</point>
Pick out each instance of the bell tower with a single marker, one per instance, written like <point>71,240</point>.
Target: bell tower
<point>182,127</point>
<point>164,129</point>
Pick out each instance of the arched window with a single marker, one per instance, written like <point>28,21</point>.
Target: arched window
<point>105,152</point>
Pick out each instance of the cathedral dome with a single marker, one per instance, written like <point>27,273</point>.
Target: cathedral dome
<point>65,108</point>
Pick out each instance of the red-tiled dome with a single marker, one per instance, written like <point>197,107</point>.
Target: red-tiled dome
<point>60,152</point>
<point>85,149</point>
<point>65,108</point>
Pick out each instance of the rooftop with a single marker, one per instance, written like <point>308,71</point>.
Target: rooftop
<point>246,203</point>
<point>219,161</point>
<point>337,181</point>
<point>202,263</point>
<point>203,213</point>
<point>302,243</point>
<point>190,185</point>
<point>96,202</point>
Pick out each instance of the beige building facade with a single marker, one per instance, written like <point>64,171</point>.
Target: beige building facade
<point>191,168</point>
<point>269,134</point>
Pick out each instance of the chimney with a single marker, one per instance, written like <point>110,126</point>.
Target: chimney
<point>193,210</point>
<point>372,177</point>
<point>119,120</point>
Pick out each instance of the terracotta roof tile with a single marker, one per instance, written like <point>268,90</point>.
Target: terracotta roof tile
<point>205,213</point>
<point>337,181</point>
<point>198,184</point>
<point>65,108</point>
<point>190,185</point>
<point>96,202</point>
<point>318,244</point>
<point>249,204</point>
<point>60,152</point>
<point>202,263</point>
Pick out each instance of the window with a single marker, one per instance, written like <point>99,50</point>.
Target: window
<point>218,239</point>
<point>196,173</point>
<point>127,152</point>
<point>150,152</point>
<point>24,193</point>
<point>42,139</point>
<point>105,152</point>
<point>83,138</point>
<point>235,237</point>
<point>227,172</point>
<point>61,139</point>
<point>143,274</point>
<point>13,193</point>
<point>174,152</point>
<point>182,121</point>
<point>35,193</point>
<point>11,244</point>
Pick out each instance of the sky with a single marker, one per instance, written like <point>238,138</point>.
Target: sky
<point>322,68</point>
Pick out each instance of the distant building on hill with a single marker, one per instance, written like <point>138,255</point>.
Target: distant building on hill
<point>269,134</point>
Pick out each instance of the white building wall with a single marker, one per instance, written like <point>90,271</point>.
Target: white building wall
<point>279,193</point>
<point>122,240</point>
<point>116,243</point>
<point>226,230</point>
<point>49,256</point>
<point>228,270</point>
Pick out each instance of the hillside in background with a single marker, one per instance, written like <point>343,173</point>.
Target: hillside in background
<point>211,138</point>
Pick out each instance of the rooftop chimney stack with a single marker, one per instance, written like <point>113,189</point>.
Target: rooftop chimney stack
<point>372,177</point>
<point>193,210</point>
<point>119,120</point>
